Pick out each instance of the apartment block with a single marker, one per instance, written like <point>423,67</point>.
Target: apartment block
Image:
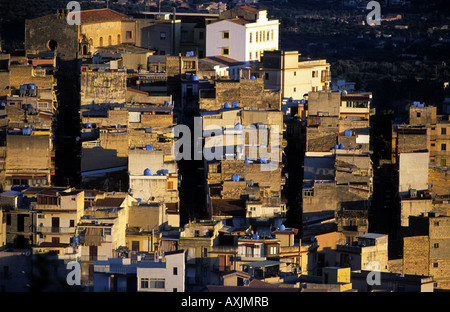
<point>242,33</point>
<point>285,71</point>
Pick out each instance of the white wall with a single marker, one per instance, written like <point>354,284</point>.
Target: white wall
<point>413,172</point>
<point>171,280</point>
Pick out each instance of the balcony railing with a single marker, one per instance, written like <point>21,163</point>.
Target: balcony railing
<point>55,230</point>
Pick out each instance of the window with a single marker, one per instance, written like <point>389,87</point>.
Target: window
<point>443,131</point>
<point>418,115</point>
<point>266,76</point>
<point>273,250</point>
<point>435,265</point>
<point>263,35</point>
<point>175,271</point>
<point>268,36</point>
<point>251,37</point>
<point>250,56</point>
<point>436,223</point>
<point>443,162</point>
<point>72,223</point>
<point>107,231</point>
<point>295,74</point>
<point>162,36</point>
<point>314,74</point>
<point>118,39</point>
<point>226,35</point>
<point>129,34</point>
<point>170,185</point>
<point>271,34</point>
<point>144,283</point>
<point>157,283</point>
<point>436,245</point>
<point>443,147</point>
<point>295,89</point>
<point>101,42</point>
<point>260,36</point>
<point>256,55</point>
<point>109,40</point>
<point>225,51</point>
<point>256,35</point>
<point>201,35</point>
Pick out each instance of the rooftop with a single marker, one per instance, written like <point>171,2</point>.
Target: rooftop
<point>101,15</point>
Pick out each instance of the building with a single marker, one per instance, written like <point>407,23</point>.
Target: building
<point>370,251</point>
<point>141,273</point>
<point>242,33</point>
<point>424,249</point>
<point>284,71</point>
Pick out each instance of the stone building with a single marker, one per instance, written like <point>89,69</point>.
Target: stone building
<point>337,165</point>
<point>425,249</point>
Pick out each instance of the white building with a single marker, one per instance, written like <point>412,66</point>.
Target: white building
<point>242,34</point>
<point>164,274</point>
<point>168,276</point>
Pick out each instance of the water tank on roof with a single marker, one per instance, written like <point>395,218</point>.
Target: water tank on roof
<point>167,103</point>
<point>247,161</point>
<point>263,160</point>
<point>252,77</point>
<point>195,78</point>
<point>238,126</point>
<point>147,172</point>
<point>32,86</point>
<point>165,171</point>
<point>226,105</point>
<point>117,126</point>
<point>341,146</point>
<point>255,236</point>
<point>235,177</point>
<point>26,131</point>
<point>235,104</point>
<point>348,133</point>
<point>336,146</point>
<point>282,227</point>
<point>149,147</point>
<point>88,125</point>
<point>189,53</point>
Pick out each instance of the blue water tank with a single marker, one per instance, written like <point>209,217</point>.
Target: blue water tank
<point>88,125</point>
<point>149,147</point>
<point>167,103</point>
<point>341,146</point>
<point>195,78</point>
<point>165,171</point>
<point>117,126</point>
<point>147,172</point>
<point>238,126</point>
<point>348,133</point>
<point>235,104</point>
<point>263,160</point>
<point>226,105</point>
<point>336,146</point>
<point>235,177</point>
<point>247,161</point>
<point>32,86</point>
<point>26,131</point>
<point>189,53</point>
<point>282,227</point>
<point>255,236</point>
<point>139,200</point>
<point>23,87</point>
<point>252,77</point>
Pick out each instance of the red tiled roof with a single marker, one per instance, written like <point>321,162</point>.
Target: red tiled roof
<point>245,7</point>
<point>239,21</point>
<point>109,202</point>
<point>101,15</point>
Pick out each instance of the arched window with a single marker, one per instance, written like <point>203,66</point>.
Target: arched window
<point>101,42</point>
<point>109,40</point>
<point>118,39</point>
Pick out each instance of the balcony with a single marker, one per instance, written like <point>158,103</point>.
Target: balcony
<point>55,230</point>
